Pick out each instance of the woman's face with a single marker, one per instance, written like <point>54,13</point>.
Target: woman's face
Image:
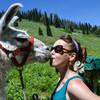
<point>59,59</point>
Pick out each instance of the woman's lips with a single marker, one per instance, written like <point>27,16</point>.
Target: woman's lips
<point>52,60</point>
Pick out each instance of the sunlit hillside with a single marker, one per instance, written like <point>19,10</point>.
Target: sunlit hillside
<point>41,78</point>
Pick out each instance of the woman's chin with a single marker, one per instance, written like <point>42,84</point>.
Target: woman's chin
<point>53,63</point>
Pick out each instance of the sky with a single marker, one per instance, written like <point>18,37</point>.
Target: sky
<point>73,10</point>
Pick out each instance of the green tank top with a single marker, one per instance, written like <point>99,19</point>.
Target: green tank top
<point>61,94</point>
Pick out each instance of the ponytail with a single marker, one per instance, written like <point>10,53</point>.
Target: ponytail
<point>84,53</point>
<point>78,65</point>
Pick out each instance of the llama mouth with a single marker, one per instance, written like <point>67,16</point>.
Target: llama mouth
<point>44,60</point>
<point>48,58</point>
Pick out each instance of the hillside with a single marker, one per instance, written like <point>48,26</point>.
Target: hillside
<point>41,78</point>
<point>91,42</point>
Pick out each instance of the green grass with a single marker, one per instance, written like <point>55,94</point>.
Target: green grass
<point>38,78</point>
<point>41,78</point>
<point>91,42</point>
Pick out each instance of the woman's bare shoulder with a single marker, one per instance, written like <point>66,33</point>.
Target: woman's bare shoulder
<point>78,89</point>
<point>75,84</point>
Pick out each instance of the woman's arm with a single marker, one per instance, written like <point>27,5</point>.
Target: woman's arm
<point>77,89</point>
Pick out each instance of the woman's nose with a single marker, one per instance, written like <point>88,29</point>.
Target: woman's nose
<point>52,52</point>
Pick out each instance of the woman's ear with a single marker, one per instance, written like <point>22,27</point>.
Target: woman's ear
<point>72,57</point>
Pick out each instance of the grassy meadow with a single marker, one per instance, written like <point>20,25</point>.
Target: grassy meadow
<point>41,78</point>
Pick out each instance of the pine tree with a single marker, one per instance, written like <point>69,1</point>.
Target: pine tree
<point>45,18</point>
<point>50,19</point>
<point>83,28</point>
<point>36,14</point>
<point>56,21</point>
<point>86,28</point>
<point>49,33</point>
<point>1,13</point>
<point>40,31</point>
<point>93,29</point>
<point>71,27</point>
<point>40,16</point>
<point>97,31</point>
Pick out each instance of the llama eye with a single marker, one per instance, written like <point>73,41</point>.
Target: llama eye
<point>21,39</point>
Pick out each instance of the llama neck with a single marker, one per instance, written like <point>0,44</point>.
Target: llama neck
<point>5,65</point>
<point>2,95</point>
<point>5,62</point>
<point>2,83</point>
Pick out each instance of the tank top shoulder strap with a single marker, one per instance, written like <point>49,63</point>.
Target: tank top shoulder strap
<point>63,90</point>
<point>77,76</point>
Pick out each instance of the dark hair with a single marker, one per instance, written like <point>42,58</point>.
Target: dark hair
<point>81,53</point>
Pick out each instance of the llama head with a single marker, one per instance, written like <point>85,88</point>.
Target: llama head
<point>12,39</point>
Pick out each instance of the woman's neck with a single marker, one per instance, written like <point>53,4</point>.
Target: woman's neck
<point>66,73</point>
<point>63,72</point>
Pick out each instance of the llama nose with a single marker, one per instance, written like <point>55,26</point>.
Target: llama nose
<point>49,55</point>
<point>47,48</point>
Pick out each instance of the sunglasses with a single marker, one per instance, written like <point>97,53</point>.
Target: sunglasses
<point>59,49</point>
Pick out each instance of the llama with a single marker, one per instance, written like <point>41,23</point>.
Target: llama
<point>17,47</point>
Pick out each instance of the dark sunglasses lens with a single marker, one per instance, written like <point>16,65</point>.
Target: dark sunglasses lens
<point>58,49</point>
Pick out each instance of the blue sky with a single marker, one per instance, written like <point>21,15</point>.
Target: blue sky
<point>73,10</point>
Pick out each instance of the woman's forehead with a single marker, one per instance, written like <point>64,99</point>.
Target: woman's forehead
<point>60,42</point>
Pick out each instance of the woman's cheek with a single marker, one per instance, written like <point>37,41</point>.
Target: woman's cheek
<point>56,62</point>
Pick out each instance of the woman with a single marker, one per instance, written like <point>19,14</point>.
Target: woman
<point>64,54</point>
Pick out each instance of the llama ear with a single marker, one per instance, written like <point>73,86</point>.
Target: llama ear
<point>13,20</point>
<point>12,10</point>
